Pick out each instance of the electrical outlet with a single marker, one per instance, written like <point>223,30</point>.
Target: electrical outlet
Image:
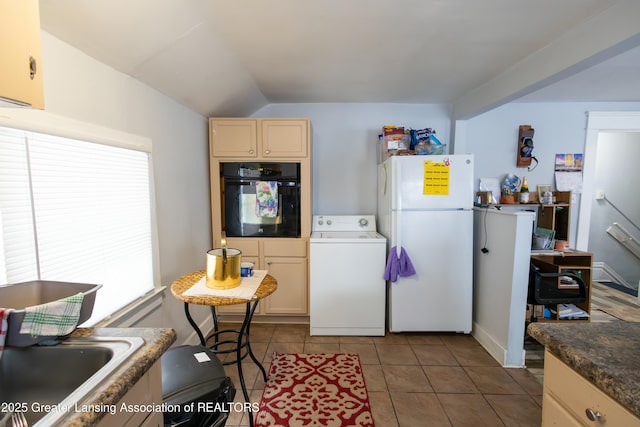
<point>599,194</point>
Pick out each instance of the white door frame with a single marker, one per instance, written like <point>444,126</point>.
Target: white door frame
<point>598,121</point>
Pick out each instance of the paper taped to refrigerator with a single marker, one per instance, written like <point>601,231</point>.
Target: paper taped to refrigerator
<point>436,178</point>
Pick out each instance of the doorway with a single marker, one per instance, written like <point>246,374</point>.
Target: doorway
<point>603,203</point>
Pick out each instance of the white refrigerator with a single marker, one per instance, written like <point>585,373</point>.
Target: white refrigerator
<point>425,207</point>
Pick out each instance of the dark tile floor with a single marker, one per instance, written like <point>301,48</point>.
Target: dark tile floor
<point>413,379</point>
<point>449,380</point>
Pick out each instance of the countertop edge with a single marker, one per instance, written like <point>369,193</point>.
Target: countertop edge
<point>157,341</point>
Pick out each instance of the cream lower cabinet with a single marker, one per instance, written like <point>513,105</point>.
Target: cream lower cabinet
<point>287,261</point>
<point>147,391</point>
<point>570,400</point>
<point>291,296</point>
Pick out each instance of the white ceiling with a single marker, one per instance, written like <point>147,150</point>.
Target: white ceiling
<point>231,57</point>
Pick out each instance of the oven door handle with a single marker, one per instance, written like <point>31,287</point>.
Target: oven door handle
<point>254,181</point>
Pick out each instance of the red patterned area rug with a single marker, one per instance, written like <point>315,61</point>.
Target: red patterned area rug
<point>307,390</point>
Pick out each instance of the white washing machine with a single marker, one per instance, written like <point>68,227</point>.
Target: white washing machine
<point>347,288</point>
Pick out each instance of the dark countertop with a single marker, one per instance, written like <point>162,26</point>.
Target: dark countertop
<point>607,354</point>
<point>110,391</point>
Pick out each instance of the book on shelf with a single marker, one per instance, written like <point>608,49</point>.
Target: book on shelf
<point>568,282</point>
<point>570,311</point>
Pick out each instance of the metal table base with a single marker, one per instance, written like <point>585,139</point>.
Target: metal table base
<point>242,342</point>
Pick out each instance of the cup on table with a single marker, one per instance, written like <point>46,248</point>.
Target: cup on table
<point>246,269</point>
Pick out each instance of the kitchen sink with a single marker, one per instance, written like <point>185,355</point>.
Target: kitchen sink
<point>49,382</point>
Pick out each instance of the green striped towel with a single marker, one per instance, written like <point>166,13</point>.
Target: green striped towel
<point>53,318</point>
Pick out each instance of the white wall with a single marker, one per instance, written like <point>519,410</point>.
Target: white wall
<point>345,140</point>
<point>559,128</point>
<point>79,87</point>
<point>345,136</point>
<point>500,282</point>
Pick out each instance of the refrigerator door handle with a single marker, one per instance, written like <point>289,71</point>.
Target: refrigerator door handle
<point>384,179</point>
<point>396,196</point>
<point>398,235</point>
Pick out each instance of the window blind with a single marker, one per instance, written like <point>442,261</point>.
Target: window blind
<point>76,211</point>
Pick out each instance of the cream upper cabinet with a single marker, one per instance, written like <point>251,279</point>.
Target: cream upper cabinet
<point>20,60</point>
<point>284,138</point>
<point>233,137</point>
<point>259,138</point>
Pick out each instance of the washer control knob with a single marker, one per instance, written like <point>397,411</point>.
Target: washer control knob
<point>328,222</point>
<point>363,222</point>
<point>320,222</point>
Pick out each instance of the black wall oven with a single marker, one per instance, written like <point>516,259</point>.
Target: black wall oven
<point>260,199</point>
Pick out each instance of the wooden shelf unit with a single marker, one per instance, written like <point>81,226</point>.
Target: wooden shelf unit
<point>577,262</point>
<point>557,216</point>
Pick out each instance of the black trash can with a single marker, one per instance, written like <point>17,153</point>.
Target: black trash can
<point>196,392</point>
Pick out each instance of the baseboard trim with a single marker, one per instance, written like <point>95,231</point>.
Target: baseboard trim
<point>603,271</point>
<point>265,319</point>
<point>497,350</point>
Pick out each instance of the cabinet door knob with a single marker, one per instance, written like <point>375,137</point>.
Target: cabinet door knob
<point>33,67</point>
<point>594,415</point>
<point>250,151</point>
<point>266,151</point>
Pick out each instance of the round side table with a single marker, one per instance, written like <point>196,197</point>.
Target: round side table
<point>242,340</point>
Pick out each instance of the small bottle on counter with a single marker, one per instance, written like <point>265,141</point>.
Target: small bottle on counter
<point>524,191</point>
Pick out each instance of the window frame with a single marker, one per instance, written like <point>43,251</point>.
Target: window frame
<point>43,122</point>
